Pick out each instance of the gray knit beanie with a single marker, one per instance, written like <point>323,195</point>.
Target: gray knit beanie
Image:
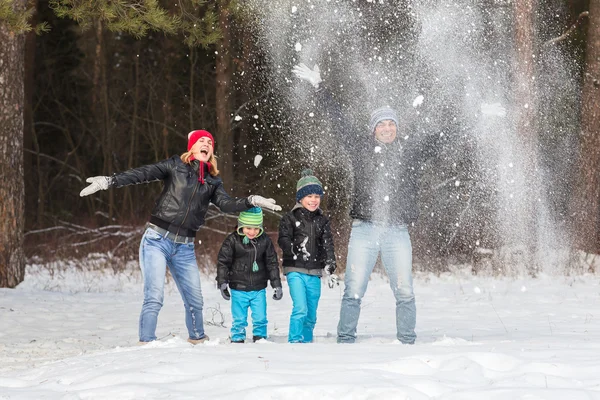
<point>381,114</point>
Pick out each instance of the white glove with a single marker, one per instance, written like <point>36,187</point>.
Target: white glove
<point>259,201</point>
<point>494,109</point>
<point>311,75</point>
<point>333,280</point>
<point>96,183</point>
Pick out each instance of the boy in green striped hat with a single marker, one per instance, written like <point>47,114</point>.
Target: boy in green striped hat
<point>247,261</point>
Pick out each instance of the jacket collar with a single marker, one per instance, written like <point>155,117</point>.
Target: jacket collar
<point>304,211</point>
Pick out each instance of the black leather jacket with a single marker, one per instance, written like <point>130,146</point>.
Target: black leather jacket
<point>302,229</point>
<point>235,262</point>
<point>184,201</point>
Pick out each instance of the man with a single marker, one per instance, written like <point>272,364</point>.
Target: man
<point>387,167</point>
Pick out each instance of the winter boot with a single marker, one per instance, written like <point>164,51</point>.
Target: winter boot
<point>236,341</point>
<point>257,338</point>
<point>198,341</point>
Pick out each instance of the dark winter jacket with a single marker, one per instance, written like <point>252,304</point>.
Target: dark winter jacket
<point>306,241</point>
<point>386,176</point>
<point>236,259</point>
<point>184,201</point>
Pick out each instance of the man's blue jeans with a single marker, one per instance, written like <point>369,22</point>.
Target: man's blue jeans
<point>367,240</point>
<point>240,302</point>
<point>156,252</point>
<point>305,291</point>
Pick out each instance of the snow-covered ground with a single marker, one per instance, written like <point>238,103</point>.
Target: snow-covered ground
<point>72,335</point>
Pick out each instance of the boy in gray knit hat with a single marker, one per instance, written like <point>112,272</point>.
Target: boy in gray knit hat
<point>308,253</point>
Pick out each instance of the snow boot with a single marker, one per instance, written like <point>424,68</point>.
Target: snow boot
<point>198,341</point>
<point>257,338</point>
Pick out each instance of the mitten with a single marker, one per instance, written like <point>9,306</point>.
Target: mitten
<point>259,201</point>
<point>278,293</point>
<point>96,183</point>
<point>225,292</point>
<point>313,76</point>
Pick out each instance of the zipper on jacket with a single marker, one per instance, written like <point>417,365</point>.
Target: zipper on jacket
<point>252,265</point>
<point>187,211</point>
<point>314,239</point>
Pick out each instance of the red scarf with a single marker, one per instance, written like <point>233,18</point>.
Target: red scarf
<point>201,169</point>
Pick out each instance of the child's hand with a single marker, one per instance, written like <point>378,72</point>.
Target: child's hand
<point>332,280</point>
<point>330,268</point>
<point>225,292</point>
<point>278,293</point>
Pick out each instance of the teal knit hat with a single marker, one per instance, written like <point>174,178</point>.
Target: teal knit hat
<point>308,184</point>
<point>251,218</point>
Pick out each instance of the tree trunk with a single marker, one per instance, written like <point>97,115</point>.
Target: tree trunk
<point>586,203</point>
<point>526,133</point>
<point>12,100</point>
<point>224,136</point>
<point>33,218</point>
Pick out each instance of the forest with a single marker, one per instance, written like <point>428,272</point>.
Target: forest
<point>92,88</point>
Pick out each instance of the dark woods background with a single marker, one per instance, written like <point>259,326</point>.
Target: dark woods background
<point>102,101</point>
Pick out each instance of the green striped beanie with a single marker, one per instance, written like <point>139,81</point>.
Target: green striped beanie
<point>308,184</point>
<point>251,218</point>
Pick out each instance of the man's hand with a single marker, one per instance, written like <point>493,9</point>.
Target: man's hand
<point>313,76</point>
<point>278,293</point>
<point>96,183</point>
<point>494,110</point>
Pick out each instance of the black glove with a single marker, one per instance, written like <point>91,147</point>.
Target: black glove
<point>225,292</point>
<point>278,293</point>
<point>330,268</point>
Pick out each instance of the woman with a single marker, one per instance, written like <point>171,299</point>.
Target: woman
<point>190,184</point>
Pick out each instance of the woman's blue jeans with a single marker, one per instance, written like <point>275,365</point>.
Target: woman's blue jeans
<point>305,291</point>
<point>367,240</point>
<point>240,302</point>
<point>156,252</point>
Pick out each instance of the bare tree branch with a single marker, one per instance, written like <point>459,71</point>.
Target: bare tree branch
<point>562,37</point>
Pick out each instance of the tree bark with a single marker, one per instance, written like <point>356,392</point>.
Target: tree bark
<point>526,137</point>
<point>12,192</point>
<point>586,203</point>
<point>224,136</point>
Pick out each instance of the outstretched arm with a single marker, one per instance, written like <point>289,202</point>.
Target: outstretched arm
<point>340,123</point>
<point>147,173</point>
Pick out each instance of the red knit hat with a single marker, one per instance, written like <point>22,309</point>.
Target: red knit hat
<point>193,137</point>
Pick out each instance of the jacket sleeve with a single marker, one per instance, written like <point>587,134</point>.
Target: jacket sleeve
<point>343,129</point>
<point>148,173</point>
<point>327,243</point>
<point>225,260</point>
<point>228,204</point>
<point>286,235</point>
<point>272,264</point>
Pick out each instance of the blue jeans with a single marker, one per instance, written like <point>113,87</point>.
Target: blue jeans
<point>305,291</point>
<point>240,302</point>
<point>367,240</point>
<point>156,252</point>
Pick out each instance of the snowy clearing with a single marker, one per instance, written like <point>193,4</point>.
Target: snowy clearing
<point>73,335</point>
